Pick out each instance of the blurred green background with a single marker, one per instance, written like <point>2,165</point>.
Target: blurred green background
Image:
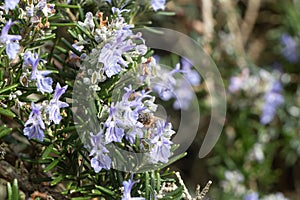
<point>256,41</point>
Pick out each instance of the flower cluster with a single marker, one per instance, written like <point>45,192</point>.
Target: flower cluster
<point>234,183</point>
<point>269,85</point>
<point>133,119</point>
<point>255,196</point>
<point>34,127</point>
<point>118,43</point>
<point>36,12</point>
<point>121,52</point>
<point>273,99</point>
<point>171,84</point>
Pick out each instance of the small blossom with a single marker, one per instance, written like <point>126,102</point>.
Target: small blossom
<point>111,53</point>
<point>11,41</point>
<point>165,86</point>
<point>100,158</point>
<point>11,4</point>
<point>237,83</point>
<point>119,12</point>
<point>147,70</point>
<point>34,126</point>
<point>55,104</point>
<point>273,99</point>
<point>12,49</point>
<point>180,89</point>
<point>158,4</point>
<point>127,190</point>
<point>88,22</point>
<point>30,11</point>
<point>183,95</point>
<point>113,132</point>
<point>290,49</point>
<point>191,75</point>
<point>44,84</point>
<point>234,183</point>
<point>133,133</point>
<point>45,7</point>
<point>79,48</point>
<point>251,196</point>
<point>161,151</point>
<point>277,196</point>
<point>257,153</point>
<point>35,11</point>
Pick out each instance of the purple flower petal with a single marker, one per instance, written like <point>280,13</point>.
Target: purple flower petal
<point>11,4</point>
<point>55,104</point>
<point>34,125</point>
<point>158,4</point>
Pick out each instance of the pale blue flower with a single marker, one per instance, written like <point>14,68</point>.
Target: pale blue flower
<point>158,4</point>
<point>168,87</point>
<point>111,54</point>
<point>161,149</point>
<point>44,84</point>
<point>130,117</point>
<point>34,126</point>
<point>235,84</point>
<point>191,75</point>
<point>11,41</point>
<point>161,134</point>
<point>88,22</point>
<point>30,12</point>
<point>123,119</point>
<point>134,100</point>
<point>55,104</point>
<point>118,11</point>
<point>12,49</point>
<point>133,133</point>
<point>79,48</point>
<point>276,196</point>
<point>127,190</point>
<point>11,4</point>
<point>113,132</point>
<point>183,95</point>
<point>273,99</point>
<point>100,158</point>
<point>290,49</point>
<point>165,86</point>
<point>251,196</point>
<point>184,92</point>
<point>45,7</point>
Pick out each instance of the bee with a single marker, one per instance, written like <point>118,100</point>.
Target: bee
<point>146,119</point>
